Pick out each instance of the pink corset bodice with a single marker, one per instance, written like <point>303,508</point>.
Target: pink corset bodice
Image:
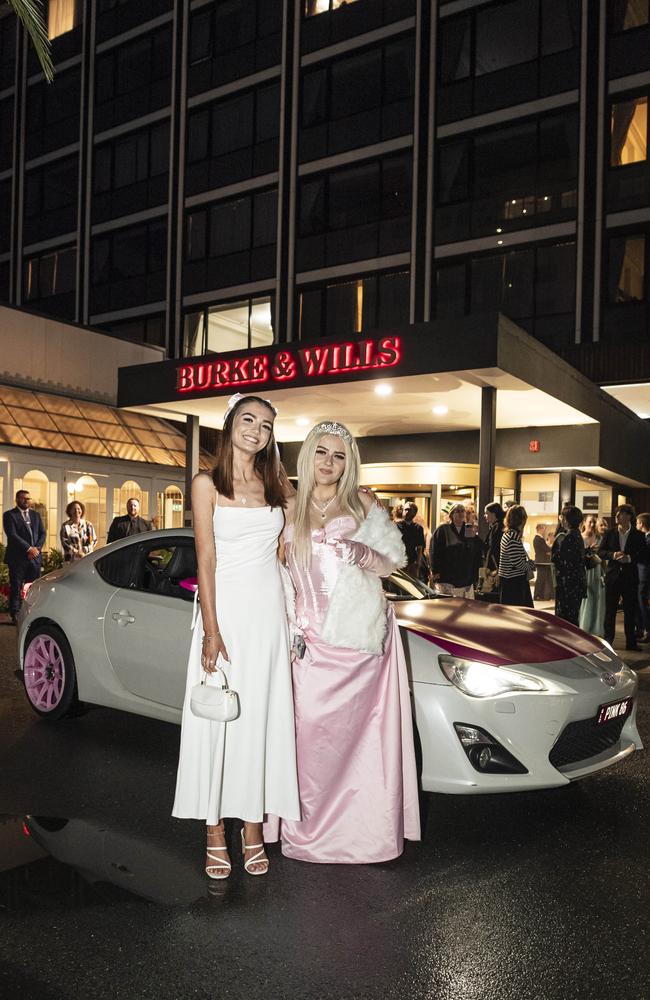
<point>314,586</point>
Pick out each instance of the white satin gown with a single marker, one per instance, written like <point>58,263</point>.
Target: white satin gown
<point>244,768</point>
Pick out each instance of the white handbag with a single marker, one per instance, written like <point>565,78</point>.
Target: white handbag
<point>219,704</point>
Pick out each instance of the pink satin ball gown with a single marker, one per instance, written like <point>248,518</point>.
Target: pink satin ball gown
<point>355,753</point>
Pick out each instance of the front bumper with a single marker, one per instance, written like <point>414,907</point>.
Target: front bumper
<point>527,725</point>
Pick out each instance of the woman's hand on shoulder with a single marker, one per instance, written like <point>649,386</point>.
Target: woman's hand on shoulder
<point>368,499</point>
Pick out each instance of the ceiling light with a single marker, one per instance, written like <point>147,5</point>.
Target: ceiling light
<point>440,411</point>
<point>303,421</point>
<point>383,389</point>
<point>499,242</point>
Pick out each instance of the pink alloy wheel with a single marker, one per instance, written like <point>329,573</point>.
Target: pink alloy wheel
<point>44,673</point>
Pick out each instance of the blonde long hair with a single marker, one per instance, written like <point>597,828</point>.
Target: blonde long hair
<point>347,488</point>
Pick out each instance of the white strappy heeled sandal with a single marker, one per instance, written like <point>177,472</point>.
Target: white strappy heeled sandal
<point>257,859</point>
<point>219,864</point>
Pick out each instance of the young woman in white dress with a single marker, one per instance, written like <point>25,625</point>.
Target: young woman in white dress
<point>247,767</point>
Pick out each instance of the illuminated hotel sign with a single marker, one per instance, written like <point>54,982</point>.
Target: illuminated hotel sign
<point>304,363</point>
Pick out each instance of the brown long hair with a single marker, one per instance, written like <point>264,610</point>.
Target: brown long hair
<point>267,462</point>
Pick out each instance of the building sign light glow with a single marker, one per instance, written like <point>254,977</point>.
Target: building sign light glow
<point>315,362</point>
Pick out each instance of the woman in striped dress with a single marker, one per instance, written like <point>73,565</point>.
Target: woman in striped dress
<point>514,562</point>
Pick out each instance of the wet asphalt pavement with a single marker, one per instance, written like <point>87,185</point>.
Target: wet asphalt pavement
<point>532,895</point>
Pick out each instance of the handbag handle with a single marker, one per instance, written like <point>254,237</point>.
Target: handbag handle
<point>224,686</point>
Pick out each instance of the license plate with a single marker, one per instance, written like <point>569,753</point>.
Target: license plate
<point>617,710</point>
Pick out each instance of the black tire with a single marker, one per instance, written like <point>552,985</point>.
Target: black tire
<point>50,678</point>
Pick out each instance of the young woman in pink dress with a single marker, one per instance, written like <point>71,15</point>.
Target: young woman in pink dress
<point>354,737</point>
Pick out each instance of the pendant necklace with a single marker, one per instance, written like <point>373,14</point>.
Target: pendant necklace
<point>323,510</point>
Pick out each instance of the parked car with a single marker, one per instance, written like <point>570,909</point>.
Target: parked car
<point>504,698</point>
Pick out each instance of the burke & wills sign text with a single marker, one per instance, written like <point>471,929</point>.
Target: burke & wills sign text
<point>316,361</point>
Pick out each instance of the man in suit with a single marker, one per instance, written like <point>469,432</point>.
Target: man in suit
<point>25,539</point>
<point>623,549</point>
<point>130,524</point>
<point>643,524</point>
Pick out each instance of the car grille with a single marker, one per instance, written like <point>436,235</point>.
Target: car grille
<point>584,739</point>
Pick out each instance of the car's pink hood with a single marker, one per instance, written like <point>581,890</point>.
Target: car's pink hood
<point>492,633</point>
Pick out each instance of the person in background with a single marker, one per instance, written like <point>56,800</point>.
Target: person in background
<point>542,553</point>
<point>623,549</point>
<point>592,609</point>
<point>78,536</point>
<point>397,513</point>
<point>413,538</point>
<point>455,555</point>
<point>25,540</point>
<point>130,524</point>
<point>643,525</point>
<point>470,513</point>
<point>568,557</point>
<point>494,515</point>
<point>515,568</point>
<point>602,527</point>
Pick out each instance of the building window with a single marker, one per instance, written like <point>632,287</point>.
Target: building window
<point>233,39</point>
<point>51,195</point>
<point>6,131</point>
<point>627,269</point>
<point>233,140</point>
<point>629,132</point>
<point>499,54</point>
<point>231,242</point>
<point>355,213</point>
<point>357,100</point>
<point>63,16</point>
<point>313,7</point>
<point>535,287</point>
<point>6,201</point>
<point>511,177</point>
<point>129,266</point>
<point>353,306</point>
<point>50,274</point>
<point>53,113</point>
<point>7,51</point>
<point>628,14</point>
<point>140,330</point>
<point>131,173</point>
<point>44,502</point>
<point>133,79</point>
<point>86,490</point>
<point>230,326</point>
<point>169,507</point>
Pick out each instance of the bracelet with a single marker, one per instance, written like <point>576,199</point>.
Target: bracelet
<point>211,636</point>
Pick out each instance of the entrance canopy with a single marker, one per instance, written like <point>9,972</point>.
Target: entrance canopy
<point>426,379</point>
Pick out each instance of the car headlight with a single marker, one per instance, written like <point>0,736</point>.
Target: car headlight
<point>482,680</point>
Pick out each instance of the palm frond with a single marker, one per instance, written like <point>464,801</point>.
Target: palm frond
<point>30,14</point>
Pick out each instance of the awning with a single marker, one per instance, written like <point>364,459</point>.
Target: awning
<point>58,423</point>
<point>433,375</point>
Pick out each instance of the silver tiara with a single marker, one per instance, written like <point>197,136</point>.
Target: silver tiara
<point>331,427</point>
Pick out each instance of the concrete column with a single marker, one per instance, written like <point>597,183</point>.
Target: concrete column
<point>191,465</point>
<point>567,486</point>
<point>487,452</point>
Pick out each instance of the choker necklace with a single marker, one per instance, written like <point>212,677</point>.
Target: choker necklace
<point>323,510</point>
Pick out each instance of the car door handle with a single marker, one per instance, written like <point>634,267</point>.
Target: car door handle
<point>122,617</point>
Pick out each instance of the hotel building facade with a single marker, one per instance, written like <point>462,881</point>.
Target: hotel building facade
<point>235,177</point>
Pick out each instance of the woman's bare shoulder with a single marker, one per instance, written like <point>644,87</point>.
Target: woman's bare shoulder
<point>367,498</point>
<point>203,486</point>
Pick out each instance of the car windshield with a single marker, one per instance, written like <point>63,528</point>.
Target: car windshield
<point>399,586</point>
